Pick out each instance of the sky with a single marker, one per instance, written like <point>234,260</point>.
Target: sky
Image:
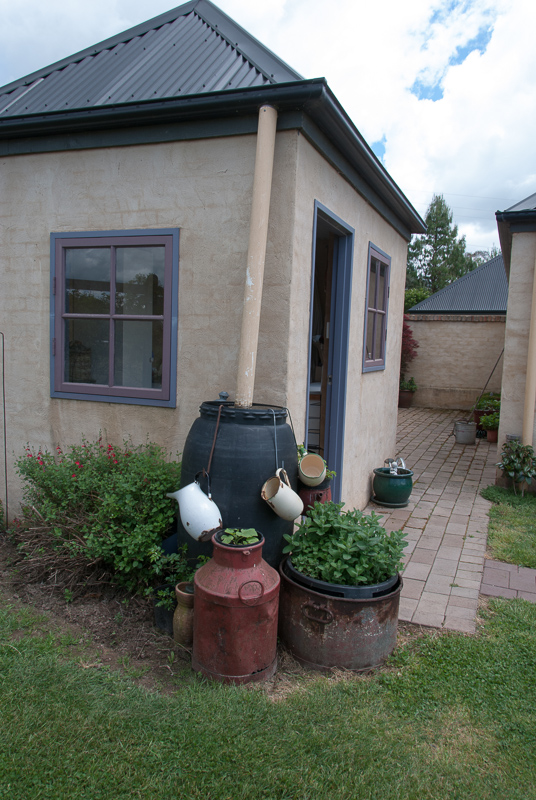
<point>444,91</point>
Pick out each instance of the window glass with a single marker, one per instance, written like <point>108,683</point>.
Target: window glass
<point>140,280</point>
<point>138,354</point>
<point>86,350</point>
<point>87,280</point>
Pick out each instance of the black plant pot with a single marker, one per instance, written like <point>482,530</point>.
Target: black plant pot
<point>341,590</point>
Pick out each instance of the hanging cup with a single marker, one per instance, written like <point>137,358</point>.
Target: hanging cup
<point>200,516</point>
<point>312,469</point>
<point>281,497</point>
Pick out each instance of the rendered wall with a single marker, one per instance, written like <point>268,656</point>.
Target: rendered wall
<point>520,285</point>
<point>201,187</point>
<point>204,189</point>
<point>371,402</point>
<point>455,358</point>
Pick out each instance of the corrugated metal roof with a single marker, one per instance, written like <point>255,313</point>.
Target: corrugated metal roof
<point>192,49</point>
<point>482,291</point>
<point>528,204</point>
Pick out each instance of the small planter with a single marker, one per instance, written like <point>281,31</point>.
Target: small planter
<point>163,617</point>
<point>492,436</point>
<point>390,489</point>
<point>405,398</point>
<point>183,618</point>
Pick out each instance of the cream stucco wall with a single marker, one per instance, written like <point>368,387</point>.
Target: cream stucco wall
<point>203,188</point>
<point>455,358</point>
<point>520,284</point>
<point>371,402</point>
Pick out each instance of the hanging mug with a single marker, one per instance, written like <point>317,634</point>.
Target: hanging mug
<point>312,469</point>
<point>281,497</point>
<point>200,516</point>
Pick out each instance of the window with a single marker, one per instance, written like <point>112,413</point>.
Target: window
<point>114,316</point>
<point>376,310</point>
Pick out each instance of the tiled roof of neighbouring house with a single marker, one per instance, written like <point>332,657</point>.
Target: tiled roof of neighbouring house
<point>192,49</point>
<point>482,291</point>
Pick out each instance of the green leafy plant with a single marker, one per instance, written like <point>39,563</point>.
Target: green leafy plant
<point>490,422</point>
<point>102,505</point>
<point>490,401</point>
<point>518,463</point>
<point>409,385</point>
<point>349,548</point>
<point>240,536</point>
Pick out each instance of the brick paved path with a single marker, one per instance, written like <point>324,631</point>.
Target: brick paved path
<point>445,522</point>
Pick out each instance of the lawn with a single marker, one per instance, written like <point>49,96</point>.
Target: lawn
<point>452,716</point>
<point>512,526</point>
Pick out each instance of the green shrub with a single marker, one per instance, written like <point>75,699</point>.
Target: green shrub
<point>104,503</point>
<point>490,422</point>
<point>349,548</point>
<point>518,463</point>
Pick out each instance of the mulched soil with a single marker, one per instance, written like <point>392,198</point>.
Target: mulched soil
<point>116,630</point>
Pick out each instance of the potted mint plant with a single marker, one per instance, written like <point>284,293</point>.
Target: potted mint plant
<point>340,589</point>
<point>490,423</point>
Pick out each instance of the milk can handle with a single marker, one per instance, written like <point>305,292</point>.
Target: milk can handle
<point>250,601</point>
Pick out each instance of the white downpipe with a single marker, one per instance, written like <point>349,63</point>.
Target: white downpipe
<point>258,235</point>
<point>530,385</point>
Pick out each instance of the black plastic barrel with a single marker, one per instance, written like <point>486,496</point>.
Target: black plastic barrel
<point>248,444</point>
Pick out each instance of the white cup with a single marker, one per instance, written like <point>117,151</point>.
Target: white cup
<point>281,497</point>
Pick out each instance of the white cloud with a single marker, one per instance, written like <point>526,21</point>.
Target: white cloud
<point>474,145</point>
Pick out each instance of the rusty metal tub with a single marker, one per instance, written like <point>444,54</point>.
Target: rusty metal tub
<point>322,632</point>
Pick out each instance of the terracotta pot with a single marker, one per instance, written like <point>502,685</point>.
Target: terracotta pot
<point>183,618</point>
<point>492,436</point>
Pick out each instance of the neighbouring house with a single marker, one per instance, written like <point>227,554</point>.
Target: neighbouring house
<point>460,331</point>
<point>517,234</point>
<point>127,182</point>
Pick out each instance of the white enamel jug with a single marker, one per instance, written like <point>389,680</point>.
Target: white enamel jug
<point>200,515</point>
<point>281,497</point>
<point>312,469</point>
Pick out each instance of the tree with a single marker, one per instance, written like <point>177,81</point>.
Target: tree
<point>483,256</point>
<point>437,257</point>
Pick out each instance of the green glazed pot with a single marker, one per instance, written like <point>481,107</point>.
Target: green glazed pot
<point>392,490</point>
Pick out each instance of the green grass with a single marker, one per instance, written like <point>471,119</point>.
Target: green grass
<point>453,717</point>
<point>512,526</point>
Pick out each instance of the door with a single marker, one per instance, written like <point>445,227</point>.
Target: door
<point>331,286</point>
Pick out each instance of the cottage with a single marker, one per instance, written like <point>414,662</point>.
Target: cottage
<point>129,171</point>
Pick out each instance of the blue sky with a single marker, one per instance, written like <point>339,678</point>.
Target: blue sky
<point>443,90</point>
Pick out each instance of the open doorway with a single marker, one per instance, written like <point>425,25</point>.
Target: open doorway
<point>328,339</point>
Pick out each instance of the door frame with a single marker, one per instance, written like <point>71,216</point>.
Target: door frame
<point>339,339</point>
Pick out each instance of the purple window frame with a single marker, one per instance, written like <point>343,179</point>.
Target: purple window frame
<point>60,388</point>
<point>379,311</point>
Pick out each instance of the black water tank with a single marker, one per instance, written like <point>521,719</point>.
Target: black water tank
<point>244,458</point>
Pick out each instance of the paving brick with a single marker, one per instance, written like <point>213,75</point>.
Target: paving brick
<point>423,556</point>
<point>496,577</point>
<point>494,591</point>
<point>528,596</point>
<point>522,584</point>
<point>432,602</point>
<point>412,589</point>
<point>460,611</point>
<point>458,624</point>
<point>418,571</point>
<point>428,620</point>
<point>461,591</point>
<point>463,602</point>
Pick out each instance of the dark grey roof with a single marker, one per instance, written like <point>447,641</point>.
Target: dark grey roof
<point>528,204</point>
<point>192,49</point>
<point>482,291</point>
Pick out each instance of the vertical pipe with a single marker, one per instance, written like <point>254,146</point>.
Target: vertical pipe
<point>530,385</point>
<point>258,234</point>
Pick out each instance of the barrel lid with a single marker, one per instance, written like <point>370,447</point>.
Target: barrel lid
<point>229,412</point>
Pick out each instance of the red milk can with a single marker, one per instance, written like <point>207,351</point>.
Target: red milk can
<point>235,615</point>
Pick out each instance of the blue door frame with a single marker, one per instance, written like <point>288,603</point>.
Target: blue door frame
<point>341,291</point>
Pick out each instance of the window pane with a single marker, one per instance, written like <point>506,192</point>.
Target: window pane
<point>380,319</point>
<point>382,294</point>
<point>140,280</point>
<point>370,334</point>
<point>372,283</point>
<point>87,280</point>
<point>86,350</point>
<point>138,354</point>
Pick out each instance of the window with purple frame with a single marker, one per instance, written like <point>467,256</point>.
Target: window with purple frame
<point>114,316</point>
<point>376,310</point>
